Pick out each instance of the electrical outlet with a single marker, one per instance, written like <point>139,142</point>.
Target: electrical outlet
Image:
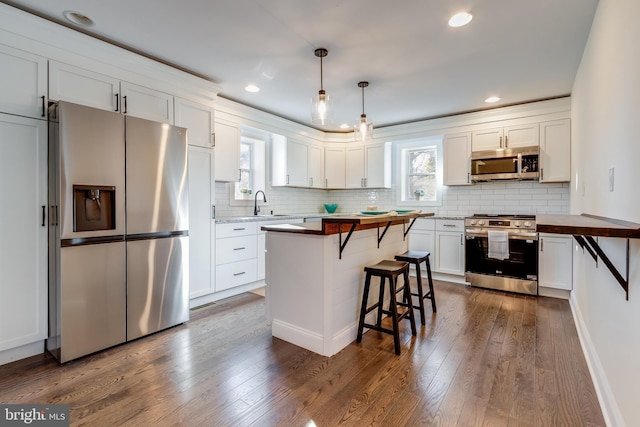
<point>610,179</point>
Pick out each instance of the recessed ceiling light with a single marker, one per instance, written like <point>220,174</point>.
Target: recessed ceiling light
<point>492,99</point>
<point>252,88</point>
<point>345,126</point>
<point>77,18</point>
<point>460,19</point>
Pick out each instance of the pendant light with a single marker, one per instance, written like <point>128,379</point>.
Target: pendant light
<point>321,110</point>
<point>363,129</point>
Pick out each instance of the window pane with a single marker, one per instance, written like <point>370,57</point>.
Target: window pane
<point>422,161</point>
<point>245,156</point>
<point>421,187</point>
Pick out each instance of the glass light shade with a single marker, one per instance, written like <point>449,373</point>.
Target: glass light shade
<point>321,108</point>
<point>363,130</point>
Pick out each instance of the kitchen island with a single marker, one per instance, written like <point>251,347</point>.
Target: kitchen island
<point>315,275</point>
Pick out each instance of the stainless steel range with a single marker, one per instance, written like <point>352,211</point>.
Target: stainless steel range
<point>502,252</point>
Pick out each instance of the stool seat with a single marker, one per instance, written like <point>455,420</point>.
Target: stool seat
<point>390,270</point>
<point>416,258</point>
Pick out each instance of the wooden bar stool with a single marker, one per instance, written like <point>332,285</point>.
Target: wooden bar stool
<point>416,258</point>
<point>388,270</point>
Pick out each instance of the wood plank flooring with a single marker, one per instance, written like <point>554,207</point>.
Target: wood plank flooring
<point>487,358</point>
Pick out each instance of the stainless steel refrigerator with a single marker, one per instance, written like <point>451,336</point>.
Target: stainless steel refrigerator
<point>118,258</point>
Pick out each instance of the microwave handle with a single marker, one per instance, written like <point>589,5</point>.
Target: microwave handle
<point>519,163</point>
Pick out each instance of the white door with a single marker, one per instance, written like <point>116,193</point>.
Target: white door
<point>23,227</point>
<point>201,222</point>
<point>457,159</point>
<point>139,101</point>
<point>334,168</point>
<point>355,167</point>
<point>198,119</point>
<point>227,148</point>
<point>23,87</point>
<point>73,84</point>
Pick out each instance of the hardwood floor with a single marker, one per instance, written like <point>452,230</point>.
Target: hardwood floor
<point>485,359</point>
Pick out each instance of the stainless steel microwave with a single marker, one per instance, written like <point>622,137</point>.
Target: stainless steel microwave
<point>507,164</point>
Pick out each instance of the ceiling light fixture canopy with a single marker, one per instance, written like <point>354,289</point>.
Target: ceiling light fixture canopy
<point>321,110</point>
<point>363,129</point>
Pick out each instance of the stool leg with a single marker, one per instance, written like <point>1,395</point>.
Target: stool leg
<point>363,309</point>
<point>393,308</point>
<point>407,295</point>
<point>432,294</point>
<point>420,294</point>
<point>380,302</point>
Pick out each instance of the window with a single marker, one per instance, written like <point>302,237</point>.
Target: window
<point>420,171</point>
<point>252,167</point>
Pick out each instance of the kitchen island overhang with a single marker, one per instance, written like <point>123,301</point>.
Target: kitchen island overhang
<point>315,276</point>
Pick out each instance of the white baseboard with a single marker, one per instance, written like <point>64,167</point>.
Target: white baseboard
<point>553,293</point>
<point>22,352</point>
<point>217,296</point>
<point>608,405</point>
<point>301,337</point>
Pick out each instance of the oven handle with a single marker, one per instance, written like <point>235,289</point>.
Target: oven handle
<point>517,236</point>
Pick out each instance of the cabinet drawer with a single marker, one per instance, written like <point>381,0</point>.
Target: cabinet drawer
<point>424,224</point>
<point>234,249</point>
<point>450,225</point>
<point>236,274</point>
<point>234,229</point>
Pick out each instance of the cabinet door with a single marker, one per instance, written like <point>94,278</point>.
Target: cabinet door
<point>457,159</point>
<point>521,136</point>
<point>198,119</point>
<point>73,84</point>
<point>139,101</point>
<point>355,167</point>
<point>227,149</point>
<point>487,139</point>
<point>23,253</point>
<point>23,87</point>
<point>297,164</point>
<point>201,223</point>
<point>555,151</point>
<point>449,252</point>
<point>334,168</point>
<point>556,261</point>
<point>316,166</point>
<point>423,240</point>
<point>378,167</point>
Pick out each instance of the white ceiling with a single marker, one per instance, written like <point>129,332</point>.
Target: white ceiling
<point>416,65</point>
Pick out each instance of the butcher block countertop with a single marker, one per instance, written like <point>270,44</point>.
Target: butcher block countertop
<point>337,224</point>
<point>586,225</point>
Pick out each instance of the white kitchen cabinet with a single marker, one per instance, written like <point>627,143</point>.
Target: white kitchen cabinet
<point>316,166</point>
<point>23,254</point>
<point>513,136</point>
<point>84,87</point>
<point>422,237</point>
<point>297,164</point>
<point>227,151</point>
<point>201,222</point>
<point>236,255</point>
<point>555,151</point>
<point>23,87</point>
<point>335,167</point>
<point>457,159</point>
<point>368,166</point>
<point>449,247</point>
<point>555,261</point>
<point>198,119</point>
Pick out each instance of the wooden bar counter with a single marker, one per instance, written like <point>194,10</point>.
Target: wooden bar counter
<point>315,275</point>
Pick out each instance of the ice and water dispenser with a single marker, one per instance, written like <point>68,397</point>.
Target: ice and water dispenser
<point>94,207</point>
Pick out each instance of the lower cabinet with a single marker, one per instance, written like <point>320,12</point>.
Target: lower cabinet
<point>236,254</point>
<point>444,239</point>
<point>555,261</point>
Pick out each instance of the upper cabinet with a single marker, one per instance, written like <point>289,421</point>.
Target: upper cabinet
<point>297,164</point>
<point>227,151</point>
<point>555,151</point>
<point>335,167</point>
<point>23,87</point>
<point>73,84</point>
<point>525,135</point>
<point>457,159</point>
<point>368,166</point>
<point>316,166</point>
<point>198,119</point>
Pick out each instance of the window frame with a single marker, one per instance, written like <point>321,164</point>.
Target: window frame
<point>258,141</point>
<point>402,148</point>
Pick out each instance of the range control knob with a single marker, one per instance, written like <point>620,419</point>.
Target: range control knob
<point>472,222</point>
<point>527,223</point>
<point>481,222</point>
<point>518,224</point>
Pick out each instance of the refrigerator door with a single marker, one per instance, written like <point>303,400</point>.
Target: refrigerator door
<point>92,298</point>
<point>157,278</point>
<point>91,154</point>
<point>157,177</point>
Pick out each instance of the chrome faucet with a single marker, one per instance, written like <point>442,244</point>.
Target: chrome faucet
<point>256,208</point>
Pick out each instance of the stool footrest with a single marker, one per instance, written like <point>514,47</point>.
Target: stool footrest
<point>378,328</point>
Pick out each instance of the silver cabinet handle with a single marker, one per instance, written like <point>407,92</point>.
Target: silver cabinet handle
<point>213,211</point>
<point>468,177</point>
<point>500,142</point>
<point>448,225</point>
<point>541,174</point>
<point>287,178</point>
<point>311,182</point>
<point>506,141</point>
<point>461,239</point>
<point>239,249</point>
<point>239,229</point>
<point>212,142</point>
<point>326,182</point>
<point>239,274</point>
<point>117,102</point>
<point>541,245</point>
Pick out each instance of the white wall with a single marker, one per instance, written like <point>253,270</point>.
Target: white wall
<point>606,127</point>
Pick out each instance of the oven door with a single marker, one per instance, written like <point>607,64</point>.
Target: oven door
<point>520,270</point>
